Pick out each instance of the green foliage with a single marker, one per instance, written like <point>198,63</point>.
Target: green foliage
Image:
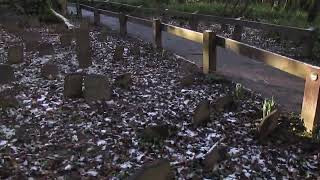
<point>268,106</point>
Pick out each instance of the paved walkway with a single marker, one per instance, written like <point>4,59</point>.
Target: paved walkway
<point>286,89</point>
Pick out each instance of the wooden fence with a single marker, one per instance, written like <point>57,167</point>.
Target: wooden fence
<point>311,101</point>
<point>306,36</point>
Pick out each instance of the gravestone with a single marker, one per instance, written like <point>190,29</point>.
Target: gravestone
<point>187,80</point>
<point>156,132</point>
<point>73,85</point>
<point>201,113</point>
<point>135,51</point>
<point>8,100</point>
<point>214,157</point>
<point>157,170</point>
<point>225,103</point>
<point>66,39</point>
<point>83,46</point>
<point>96,88</point>
<point>15,54</point>
<point>6,74</point>
<point>103,34</point>
<point>31,39</point>
<point>268,125</point>
<point>49,71</point>
<point>12,27</point>
<point>33,22</point>
<point>45,48</point>
<point>124,80</point>
<point>118,54</point>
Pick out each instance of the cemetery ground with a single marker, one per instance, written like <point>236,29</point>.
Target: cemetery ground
<point>124,109</point>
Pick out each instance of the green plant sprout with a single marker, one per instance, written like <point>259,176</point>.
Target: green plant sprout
<point>269,105</point>
<point>238,91</point>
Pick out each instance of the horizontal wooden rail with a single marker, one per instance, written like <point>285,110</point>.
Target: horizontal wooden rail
<point>283,63</point>
<point>86,7</point>
<point>108,13</point>
<point>141,21</point>
<point>184,33</point>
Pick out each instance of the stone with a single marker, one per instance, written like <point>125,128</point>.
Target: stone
<point>225,103</point>
<point>188,67</point>
<point>31,40</point>
<point>157,170</point>
<point>73,85</point>
<point>135,51</point>
<point>8,100</point>
<point>83,48</point>
<point>103,34</point>
<point>214,157</point>
<point>201,113</point>
<point>46,49</point>
<point>49,71</point>
<point>96,88</point>
<point>268,125</point>
<point>157,132</point>
<point>124,80</point>
<point>6,74</point>
<point>118,54</point>
<point>33,22</point>
<point>66,39</point>
<point>12,27</point>
<point>187,80</point>
<point>214,78</point>
<point>32,45</point>
<point>15,54</point>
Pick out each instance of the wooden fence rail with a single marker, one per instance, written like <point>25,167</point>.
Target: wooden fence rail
<point>311,102</point>
<point>306,36</point>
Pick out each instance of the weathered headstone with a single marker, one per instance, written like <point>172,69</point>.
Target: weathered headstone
<point>124,80</point>
<point>201,113</point>
<point>214,157</point>
<point>33,22</point>
<point>12,27</point>
<point>83,46</point>
<point>118,54</point>
<point>8,100</point>
<point>15,54</point>
<point>32,40</point>
<point>45,49</point>
<point>136,52</point>
<point>157,132</point>
<point>157,170</point>
<point>73,85</point>
<point>96,88</point>
<point>49,71</point>
<point>6,74</point>
<point>225,103</point>
<point>268,125</point>
<point>187,80</point>
<point>66,39</point>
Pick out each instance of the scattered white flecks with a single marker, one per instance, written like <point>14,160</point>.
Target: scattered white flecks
<point>7,132</point>
<point>107,119</point>
<point>126,165</point>
<point>191,133</point>
<point>75,138</point>
<point>152,113</point>
<point>101,142</point>
<point>169,149</point>
<point>68,167</point>
<point>234,151</point>
<point>99,158</point>
<point>231,177</point>
<point>232,119</point>
<point>92,173</point>
<point>3,142</point>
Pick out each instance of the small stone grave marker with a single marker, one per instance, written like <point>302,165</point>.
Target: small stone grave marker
<point>83,48</point>
<point>157,170</point>
<point>268,125</point>
<point>15,54</point>
<point>6,74</point>
<point>45,48</point>
<point>124,80</point>
<point>103,34</point>
<point>214,157</point>
<point>96,88</point>
<point>156,132</point>
<point>73,85</point>
<point>225,103</point>
<point>187,80</point>
<point>49,71</point>
<point>66,39</point>
<point>8,100</point>
<point>31,40</point>
<point>201,113</point>
<point>118,54</point>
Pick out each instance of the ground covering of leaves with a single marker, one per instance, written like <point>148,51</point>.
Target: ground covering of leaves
<point>49,136</point>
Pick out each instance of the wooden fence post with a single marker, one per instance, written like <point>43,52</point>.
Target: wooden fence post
<point>311,102</point>
<point>157,34</point>
<point>194,22</point>
<point>123,24</point>
<point>308,44</point>
<point>96,15</point>
<point>209,52</point>
<point>79,11</point>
